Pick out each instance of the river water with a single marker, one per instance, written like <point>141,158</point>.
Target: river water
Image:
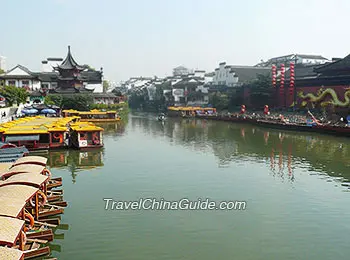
<point>295,185</point>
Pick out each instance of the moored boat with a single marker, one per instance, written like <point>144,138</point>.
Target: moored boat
<point>86,135</point>
<point>94,115</point>
<point>190,112</point>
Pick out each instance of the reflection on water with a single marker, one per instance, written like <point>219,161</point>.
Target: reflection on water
<point>236,143</point>
<point>283,176</point>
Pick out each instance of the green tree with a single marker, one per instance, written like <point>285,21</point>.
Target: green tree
<point>219,100</point>
<point>2,71</point>
<point>80,102</point>
<point>14,95</point>
<point>262,91</point>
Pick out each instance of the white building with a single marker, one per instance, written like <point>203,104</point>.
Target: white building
<point>20,76</point>
<point>233,76</point>
<point>181,71</point>
<point>3,63</point>
<point>296,58</point>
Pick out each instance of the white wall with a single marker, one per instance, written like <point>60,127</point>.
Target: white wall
<point>23,82</point>
<point>223,76</point>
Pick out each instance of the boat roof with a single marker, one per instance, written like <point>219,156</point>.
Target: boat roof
<point>35,180</point>
<point>22,168</point>
<point>10,253</point>
<point>31,160</point>
<point>85,127</point>
<point>10,229</point>
<point>11,207</point>
<point>29,167</point>
<point>17,191</point>
<point>91,112</point>
<point>36,125</point>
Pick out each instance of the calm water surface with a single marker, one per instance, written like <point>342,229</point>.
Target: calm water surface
<point>295,185</point>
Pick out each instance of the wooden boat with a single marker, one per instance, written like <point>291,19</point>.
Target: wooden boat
<point>8,253</point>
<point>93,115</point>
<point>27,174</point>
<point>40,160</point>
<point>85,135</point>
<point>40,234</point>
<point>14,237</point>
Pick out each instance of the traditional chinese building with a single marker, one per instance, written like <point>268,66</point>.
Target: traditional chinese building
<point>70,78</point>
<point>318,86</point>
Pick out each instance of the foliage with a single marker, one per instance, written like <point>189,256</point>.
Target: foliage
<point>80,102</point>
<point>219,100</point>
<point>54,99</point>
<point>2,71</point>
<point>261,91</point>
<point>14,95</point>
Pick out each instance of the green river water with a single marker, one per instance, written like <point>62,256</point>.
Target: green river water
<point>296,187</point>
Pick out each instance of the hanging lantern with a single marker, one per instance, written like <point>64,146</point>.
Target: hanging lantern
<point>282,79</point>
<point>242,109</point>
<point>266,110</point>
<point>274,72</point>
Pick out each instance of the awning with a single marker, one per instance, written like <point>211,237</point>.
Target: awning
<point>16,138</point>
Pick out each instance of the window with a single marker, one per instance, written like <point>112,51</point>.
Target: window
<point>25,83</point>
<point>12,83</point>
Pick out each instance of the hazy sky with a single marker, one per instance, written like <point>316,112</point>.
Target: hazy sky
<point>150,37</point>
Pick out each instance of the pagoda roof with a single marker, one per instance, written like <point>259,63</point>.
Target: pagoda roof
<point>69,63</point>
<point>340,65</point>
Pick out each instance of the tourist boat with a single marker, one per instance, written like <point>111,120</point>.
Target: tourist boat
<point>11,253</point>
<point>190,112</point>
<point>85,135</point>
<point>16,239</point>
<point>94,115</point>
<point>36,133</point>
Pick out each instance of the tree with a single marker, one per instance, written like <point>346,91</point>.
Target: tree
<point>261,91</point>
<point>14,95</point>
<point>219,100</point>
<point>2,71</point>
<point>80,102</point>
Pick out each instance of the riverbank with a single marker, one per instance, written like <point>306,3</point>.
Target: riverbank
<point>291,122</point>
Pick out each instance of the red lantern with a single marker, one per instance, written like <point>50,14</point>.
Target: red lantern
<point>266,109</point>
<point>242,109</point>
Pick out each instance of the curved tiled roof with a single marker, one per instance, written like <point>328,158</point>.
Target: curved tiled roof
<point>69,63</point>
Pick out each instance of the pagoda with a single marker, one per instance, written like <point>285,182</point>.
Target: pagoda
<point>70,79</point>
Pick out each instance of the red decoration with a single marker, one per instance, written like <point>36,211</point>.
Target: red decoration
<point>242,109</point>
<point>274,75</point>
<point>266,109</point>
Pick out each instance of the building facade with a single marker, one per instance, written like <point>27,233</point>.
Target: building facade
<point>305,59</point>
<point>235,76</point>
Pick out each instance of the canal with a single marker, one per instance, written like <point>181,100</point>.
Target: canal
<point>295,185</point>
